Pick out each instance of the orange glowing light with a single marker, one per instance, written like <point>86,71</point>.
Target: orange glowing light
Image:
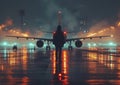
<point>2,26</point>
<point>24,58</point>
<point>118,24</point>
<point>12,61</point>
<point>25,35</point>
<point>17,32</point>
<point>2,67</point>
<point>100,31</point>
<point>112,27</point>
<point>25,79</point>
<point>64,65</point>
<point>54,63</point>
<point>60,70</point>
<point>14,31</point>
<point>111,35</point>
<point>92,34</point>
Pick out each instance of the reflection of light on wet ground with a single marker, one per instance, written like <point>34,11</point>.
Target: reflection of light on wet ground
<point>81,66</point>
<point>96,82</point>
<point>108,57</point>
<point>111,61</point>
<point>65,62</point>
<point>53,63</point>
<point>60,70</point>
<point>13,67</point>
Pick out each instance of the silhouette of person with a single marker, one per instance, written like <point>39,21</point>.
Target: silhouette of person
<point>58,41</point>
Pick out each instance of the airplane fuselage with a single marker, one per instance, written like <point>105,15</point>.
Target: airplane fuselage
<point>59,38</point>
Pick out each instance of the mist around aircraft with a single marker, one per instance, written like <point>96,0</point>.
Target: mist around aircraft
<point>59,39</point>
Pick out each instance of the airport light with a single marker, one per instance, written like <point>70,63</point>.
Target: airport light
<point>14,43</point>
<point>118,24</point>
<point>31,44</point>
<point>94,44</point>
<point>111,44</point>
<point>5,43</point>
<point>111,35</point>
<point>89,44</point>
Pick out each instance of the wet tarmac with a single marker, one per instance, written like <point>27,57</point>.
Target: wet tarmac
<point>78,67</point>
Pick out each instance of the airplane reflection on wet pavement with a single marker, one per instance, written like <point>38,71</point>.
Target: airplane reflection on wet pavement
<point>78,67</point>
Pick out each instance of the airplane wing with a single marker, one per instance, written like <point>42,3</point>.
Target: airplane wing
<point>67,40</point>
<point>83,38</point>
<point>35,38</point>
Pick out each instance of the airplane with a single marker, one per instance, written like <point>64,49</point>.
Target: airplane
<point>59,38</point>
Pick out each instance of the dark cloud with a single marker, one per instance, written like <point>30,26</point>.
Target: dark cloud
<point>43,13</point>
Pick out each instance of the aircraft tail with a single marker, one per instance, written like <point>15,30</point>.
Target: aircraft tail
<point>59,17</point>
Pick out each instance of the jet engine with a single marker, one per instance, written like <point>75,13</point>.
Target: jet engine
<point>39,43</point>
<point>78,43</point>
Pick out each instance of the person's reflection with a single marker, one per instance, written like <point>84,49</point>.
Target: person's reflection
<point>58,72</point>
<point>60,69</point>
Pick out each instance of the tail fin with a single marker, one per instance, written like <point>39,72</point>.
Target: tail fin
<point>59,17</point>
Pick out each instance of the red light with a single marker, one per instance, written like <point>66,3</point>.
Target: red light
<point>65,33</point>
<point>59,74</point>
<point>54,32</point>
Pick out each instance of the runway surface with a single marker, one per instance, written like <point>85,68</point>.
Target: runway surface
<point>79,67</point>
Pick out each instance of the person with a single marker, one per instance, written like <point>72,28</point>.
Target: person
<point>58,41</point>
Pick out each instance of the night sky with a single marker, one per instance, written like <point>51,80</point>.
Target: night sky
<point>42,14</point>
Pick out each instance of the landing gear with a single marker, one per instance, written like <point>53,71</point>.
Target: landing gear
<point>48,48</point>
<point>70,47</point>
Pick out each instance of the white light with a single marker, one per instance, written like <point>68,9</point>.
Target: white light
<point>31,44</point>
<point>89,44</point>
<point>112,44</point>
<point>59,12</point>
<point>94,44</point>
<point>4,43</point>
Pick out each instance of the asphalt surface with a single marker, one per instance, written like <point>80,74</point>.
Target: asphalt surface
<point>78,67</point>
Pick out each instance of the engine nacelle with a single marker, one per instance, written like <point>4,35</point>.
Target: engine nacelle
<point>78,43</point>
<point>39,43</point>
